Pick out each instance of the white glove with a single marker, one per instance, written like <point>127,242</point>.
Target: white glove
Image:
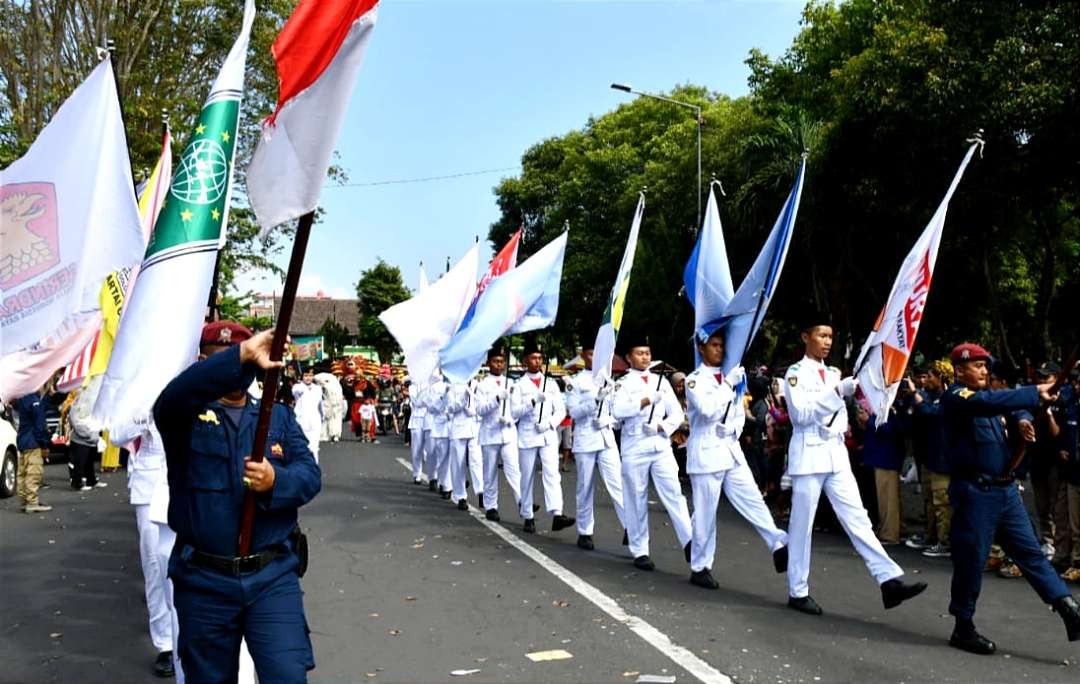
<point>735,377</point>
<point>604,422</point>
<point>539,398</point>
<point>656,397</point>
<point>544,426</point>
<point>506,420</point>
<point>502,394</point>
<point>847,386</point>
<point>723,430</point>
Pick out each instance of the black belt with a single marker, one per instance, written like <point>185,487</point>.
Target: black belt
<point>236,565</point>
<point>984,480</point>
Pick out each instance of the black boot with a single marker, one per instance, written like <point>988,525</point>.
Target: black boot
<point>561,522</point>
<point>530,526</point>
<point>895,591</point>
<point>644,563</point>
<point>703,578</point>
<point>584,541</point>
<point>163,666</point>
<point>805,604</point>
<point>1069,611</point>
<point>965,638</point>
<point>686,551</point>
<point>432,485</point>
<point>462,505</point>
<point>492,515</point>
<point>445,494</point>
<point>779,559</point>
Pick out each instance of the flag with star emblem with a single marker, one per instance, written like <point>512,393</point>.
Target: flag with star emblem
<point>604,347</point>
<point>159,331</point>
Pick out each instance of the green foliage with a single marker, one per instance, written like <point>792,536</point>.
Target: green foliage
<point>335,336</point>
<point>379,288</point>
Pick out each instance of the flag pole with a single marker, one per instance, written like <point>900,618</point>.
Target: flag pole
<point>270,381</point>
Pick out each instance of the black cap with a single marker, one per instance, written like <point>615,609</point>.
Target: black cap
<point>532,346</point>
<point>1048,368</point>
<point>812,317</point>
<point>632,337</point>
<point>497,349</point>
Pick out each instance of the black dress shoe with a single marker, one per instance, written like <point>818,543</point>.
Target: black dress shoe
<point>530,526</point>
<point>972,642</point>
<point>417,480</point>
<point>1069,611</point>
<point>561,522</point>
<point>536,507</point>
<point>584,541</point>
<point>163,666</point>
<point>625,538</point>
<point>779,559</point>
<point>644,563</point>
<point>462,505</point>
<point>432,485</point>
<point>704,579</point>
<point>805,604</point>
<point>492,515</point>
<point>686,551</point>
<point>444,494</point>
<point>895,591</point>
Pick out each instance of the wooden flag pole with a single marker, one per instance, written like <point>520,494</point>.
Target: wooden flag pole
<point>271,380</point>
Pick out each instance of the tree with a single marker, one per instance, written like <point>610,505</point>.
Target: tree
<point>379,288</point>
<point>335,336</point>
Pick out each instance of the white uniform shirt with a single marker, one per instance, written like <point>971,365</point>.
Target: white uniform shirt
<point>593,421</point>
<point>818,419</point>
<point>492,407</point>
<point>536,423</point>
<point>148,474</point>
<point>639,436</point>
<point>416,417</point>
<point>435,400</point>
<point>714,440</point>
<point>461,406</point>
<point>308,407</point>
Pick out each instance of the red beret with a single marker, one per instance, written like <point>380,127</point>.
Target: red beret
<point>223,333</point>
<point>969,351</point>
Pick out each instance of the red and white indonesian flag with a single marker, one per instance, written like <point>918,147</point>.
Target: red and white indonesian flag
<point>318,53</point>
<point>885,354</point>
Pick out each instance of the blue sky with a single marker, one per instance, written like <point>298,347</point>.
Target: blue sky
<point>453,87</point>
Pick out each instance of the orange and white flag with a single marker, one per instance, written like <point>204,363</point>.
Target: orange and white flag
<point>884,357</point>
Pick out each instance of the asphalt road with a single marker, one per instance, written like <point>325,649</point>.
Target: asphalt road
<point>405,588</point>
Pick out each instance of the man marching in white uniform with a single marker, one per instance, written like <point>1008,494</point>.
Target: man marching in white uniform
<point>308,407</point>
<point>498,434</point>
<point>416,431</point>
<point>817,462</point>
<point>650,413</point>
<point>715,461</point>
<point>461,407</point>
<point>439,450</point>
<point>424,397</point>
<point>594,448</point>
<point>537,406</point>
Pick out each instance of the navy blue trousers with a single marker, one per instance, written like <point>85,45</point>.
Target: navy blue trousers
<point>215,611</point>
<point>981,514</point>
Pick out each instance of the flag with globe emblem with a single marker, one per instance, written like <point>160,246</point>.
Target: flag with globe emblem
<point>160,328</point>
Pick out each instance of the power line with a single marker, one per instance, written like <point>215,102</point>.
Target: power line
<point>426,179</point>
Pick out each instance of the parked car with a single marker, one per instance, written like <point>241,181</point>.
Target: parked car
<point>10,465</point>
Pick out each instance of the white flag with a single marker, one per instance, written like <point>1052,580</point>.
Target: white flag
<point>884,356</point>
<point>69,219</point>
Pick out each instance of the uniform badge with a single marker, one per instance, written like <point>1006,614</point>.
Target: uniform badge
<point>209,417</point>
<point>276,450</point>
<point>569,387</point>
<point>690,384</point>
<point>966,394</point>
<point>793,380</point>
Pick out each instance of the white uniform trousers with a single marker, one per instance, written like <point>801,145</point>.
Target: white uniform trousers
<point>549,465</point>
<point>428,453</point>
<point>606,461</point>
<point>440,453</point>
<point>508,454</point>
<point>416,447</point>
<point>313,434</point>
<point>476,466</point>
<point>459,456</point>
<point>155,578</point>
<point>636,470</point>
<point>843,494</point>
<point>738,485</point>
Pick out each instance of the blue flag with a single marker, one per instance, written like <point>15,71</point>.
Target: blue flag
<point>746,310</point>
<point>707,277</point>
<point>523,299</point>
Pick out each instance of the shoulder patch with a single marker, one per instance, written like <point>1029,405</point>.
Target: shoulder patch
<point>209,417</point>
<point>793,380</point>
<point>690,384</point>
<point>569,387</point>
<point>793,367</point>
<point>966,394</point>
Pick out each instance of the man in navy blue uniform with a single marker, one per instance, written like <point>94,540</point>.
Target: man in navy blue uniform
<point>985,498</point>
<point>33,444</point>
<point>207,423</point>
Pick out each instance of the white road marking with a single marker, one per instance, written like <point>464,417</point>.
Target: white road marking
<point>681,656</point>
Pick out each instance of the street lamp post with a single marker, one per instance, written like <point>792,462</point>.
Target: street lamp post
<point>697,115</point>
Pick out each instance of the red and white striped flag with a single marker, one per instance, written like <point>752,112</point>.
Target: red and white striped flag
<point>318,54</point>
